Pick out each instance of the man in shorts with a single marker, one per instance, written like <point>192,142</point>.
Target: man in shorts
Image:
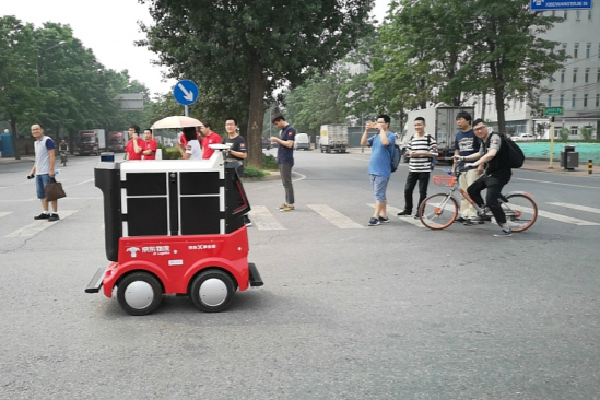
<point>43,170</point>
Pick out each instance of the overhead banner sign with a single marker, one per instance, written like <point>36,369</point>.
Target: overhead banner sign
<point>545,5</point>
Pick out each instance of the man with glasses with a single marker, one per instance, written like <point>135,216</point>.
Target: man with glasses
<point>494,157</point>
<point>380,165</point>
<point>43,171</point>
<point>466,144</point>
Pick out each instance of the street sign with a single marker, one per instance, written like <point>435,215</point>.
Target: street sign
<point>553,111</point>
<point>185,92</point>
<point>545,5</point>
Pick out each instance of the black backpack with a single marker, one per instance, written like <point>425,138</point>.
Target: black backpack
<point>515,154</point>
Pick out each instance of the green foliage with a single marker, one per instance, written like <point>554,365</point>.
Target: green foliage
<point>269,162</point>
<point>241,51</point>
<point>253,172</point>
<point>564,133</point>
<point>586,132</point>
<point>171,153</point>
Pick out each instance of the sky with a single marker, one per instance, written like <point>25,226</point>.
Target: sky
<point>109,28</point>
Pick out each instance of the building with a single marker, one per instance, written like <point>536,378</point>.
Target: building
<point>576,87</point>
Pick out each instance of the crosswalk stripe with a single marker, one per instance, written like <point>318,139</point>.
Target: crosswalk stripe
<point>577,207</point>
<point>566,218</point>
<point>4,213</point>
<point>335,217</point>
<point>264,220</point>
<point>393,212</point>
<point>38,226</point>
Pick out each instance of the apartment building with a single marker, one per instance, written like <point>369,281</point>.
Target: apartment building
<point>576,86</point>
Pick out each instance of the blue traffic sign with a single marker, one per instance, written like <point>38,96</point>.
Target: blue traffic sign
<point>545,5</point>
<point>185,92</point>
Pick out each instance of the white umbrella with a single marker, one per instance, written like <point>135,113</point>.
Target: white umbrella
<point>176,122</point>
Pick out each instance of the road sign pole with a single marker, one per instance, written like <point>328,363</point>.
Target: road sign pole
<point>551,142</point>
<point>187,111</point>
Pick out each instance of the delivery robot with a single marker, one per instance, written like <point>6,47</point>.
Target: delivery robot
<point>173,227</point>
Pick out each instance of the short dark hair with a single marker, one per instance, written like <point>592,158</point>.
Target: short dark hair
<point>464,115</point>
<point>206,124</point>
<point>135,128</point>
<point>189,133</point>
<point>277,117</point>
<point>386,118</point>
<point>478,121</point>
<point>148,129</point>
<point>420,119</point>
<point>233,119</point>
<point>38,124</point>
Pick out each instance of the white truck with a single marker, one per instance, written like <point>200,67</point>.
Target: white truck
<point>334,137</point>
<point>440,122</point>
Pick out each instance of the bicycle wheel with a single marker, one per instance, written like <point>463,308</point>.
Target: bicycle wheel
<point>521,212</point>
<point>438,211</point>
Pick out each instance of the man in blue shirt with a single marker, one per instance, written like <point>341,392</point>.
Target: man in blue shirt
<point>285,158</point>
<point>380,164</point>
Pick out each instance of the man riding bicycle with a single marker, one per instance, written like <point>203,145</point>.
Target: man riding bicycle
<point>496,174</point>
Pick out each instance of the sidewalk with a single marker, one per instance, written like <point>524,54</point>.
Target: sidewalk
<point>11,160</point>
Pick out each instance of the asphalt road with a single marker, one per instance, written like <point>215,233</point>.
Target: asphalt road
<point>347,311</point>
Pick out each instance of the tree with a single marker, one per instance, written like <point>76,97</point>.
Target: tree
<point>17,72</point>
<point>241,51</point>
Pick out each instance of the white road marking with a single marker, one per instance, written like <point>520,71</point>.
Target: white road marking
<point>3,213</point>
<point>335,217</point>
<point>576,207</point>
<point>564,218</point>
<point>264,220</point>
<point>393,215</point>
<point>556,183</point>
<point>38,226</point>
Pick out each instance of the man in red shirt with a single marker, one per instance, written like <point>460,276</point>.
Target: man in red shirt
<point>134,146</point>
<point>208,137</point>
<point>149,146</point>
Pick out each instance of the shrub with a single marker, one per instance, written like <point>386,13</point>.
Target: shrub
<point>172,153</point>
<point>564,133</point>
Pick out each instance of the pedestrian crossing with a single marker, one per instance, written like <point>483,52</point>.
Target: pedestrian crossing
<point>269,218</point>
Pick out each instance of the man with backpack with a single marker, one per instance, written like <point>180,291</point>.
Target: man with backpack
<point>422,150</point>
<point>494,155</point>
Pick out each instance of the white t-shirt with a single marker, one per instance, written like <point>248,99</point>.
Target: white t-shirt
<point>193,148</point>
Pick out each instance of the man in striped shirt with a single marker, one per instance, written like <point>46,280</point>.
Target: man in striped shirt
<point>421,149</point>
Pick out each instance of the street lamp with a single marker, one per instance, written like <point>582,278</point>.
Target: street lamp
<point>37,70</point>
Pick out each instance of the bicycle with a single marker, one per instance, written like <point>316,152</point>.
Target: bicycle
<point>440,210</point>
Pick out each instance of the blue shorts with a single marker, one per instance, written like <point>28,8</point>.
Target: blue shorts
<point>40,183</point>
<point>379,186</point>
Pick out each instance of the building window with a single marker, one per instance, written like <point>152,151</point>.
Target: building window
<point>574,131</point>
<point>598,100</point>
<point>587,75</point>
<point>562,76</point>
<point>598,77</point>
<point>551,78</point>
<point>587,50</point>
<point>574,101</point>
<point>565,15</point>
<point>575,75</point>
<point>589,15</point>
<point>575,50</point>
<point>578,15</point>
<point>549,100</point>
<point>564,49</point>
<point>562,99</point>
<point>538,100</point>
<point>585,99</point>
<point>598,51</point>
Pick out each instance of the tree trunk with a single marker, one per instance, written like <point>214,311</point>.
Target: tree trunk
<point>13,129</point>
<point>255,114</point>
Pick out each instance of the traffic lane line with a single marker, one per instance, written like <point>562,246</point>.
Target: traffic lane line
<point>38,226</point>
<point>264,220</point>
<point>576,207</point>
<point>394,211</point>
<point>335,217</point>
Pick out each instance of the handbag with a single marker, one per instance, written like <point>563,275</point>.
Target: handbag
<point>54,190</point>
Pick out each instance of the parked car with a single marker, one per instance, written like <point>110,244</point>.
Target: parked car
<point>301,142</point>
<point>523,137</point>
<point>266,144</point>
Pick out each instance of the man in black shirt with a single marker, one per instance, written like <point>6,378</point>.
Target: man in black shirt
<point>496,175</point>
<point>238,151</point>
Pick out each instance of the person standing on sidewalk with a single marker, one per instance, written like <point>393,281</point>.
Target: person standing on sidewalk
<point>421,149</point>
<point>466,144</point>
<point>285,158</point>
<point>380,164</point>
<point>149,146</point>
<point>208,137</point>
<point>43,170</point>
<point>237,152</point>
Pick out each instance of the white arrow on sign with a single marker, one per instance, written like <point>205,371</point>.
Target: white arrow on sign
<point>187,95</point>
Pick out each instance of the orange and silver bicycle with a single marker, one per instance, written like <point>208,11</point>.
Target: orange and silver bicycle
<point>441,210</point>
